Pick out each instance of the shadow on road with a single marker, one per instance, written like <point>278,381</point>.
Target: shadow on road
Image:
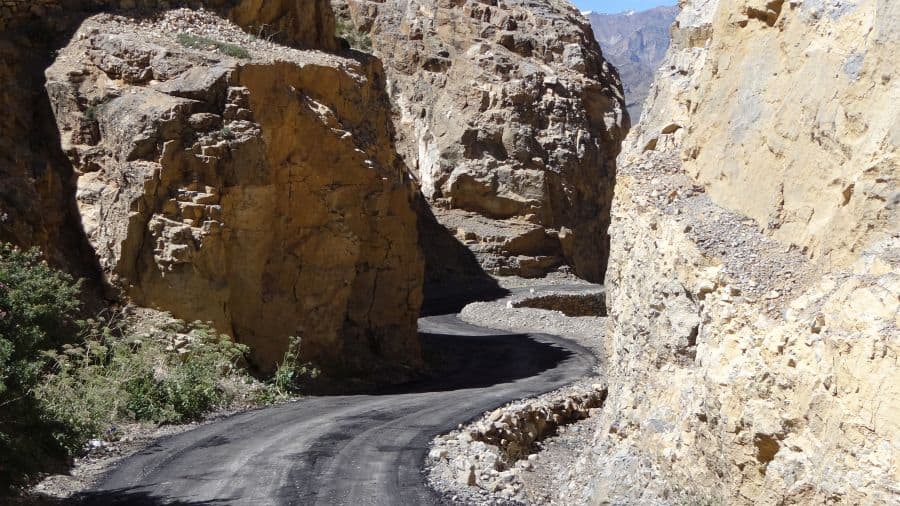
<point>134,497</point>
<point>461,362</point>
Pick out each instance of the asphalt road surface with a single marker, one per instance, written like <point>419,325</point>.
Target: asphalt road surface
<point>349,449</point>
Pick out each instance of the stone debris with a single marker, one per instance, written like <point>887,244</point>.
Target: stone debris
<point>511,455</point>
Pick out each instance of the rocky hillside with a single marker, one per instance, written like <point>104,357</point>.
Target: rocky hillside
<point>219,175</point>
<point>755,265</point>
<point>635,42</point>
<point>511,120</point>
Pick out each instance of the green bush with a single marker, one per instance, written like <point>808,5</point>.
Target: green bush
<point>63,382</point>
<point>200,42</point>
<point>38,306</point>
<point>357,40</point>
<point>109,378</point>
<point>291,371</point>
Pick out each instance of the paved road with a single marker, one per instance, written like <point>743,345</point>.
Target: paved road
<point>351,449</point>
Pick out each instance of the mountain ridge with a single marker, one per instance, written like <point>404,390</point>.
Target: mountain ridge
<point>635,42</point>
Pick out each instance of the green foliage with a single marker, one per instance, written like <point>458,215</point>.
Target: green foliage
<point>37,309</point>
<point>108,378</point>
<point>289,376</point>
<point>291,371</point>
<point>91,113</point>
<point>94,107</point>
<point>64,382</point>
<point>357,40</point>
<point>200,42</point>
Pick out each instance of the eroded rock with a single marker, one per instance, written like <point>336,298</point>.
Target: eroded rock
<point>755,264</point>
<point>510,118</point>
<point>261,193</point>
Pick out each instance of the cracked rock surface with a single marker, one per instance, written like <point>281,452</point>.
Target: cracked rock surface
<point>228,179</point>
<point>511,120</point>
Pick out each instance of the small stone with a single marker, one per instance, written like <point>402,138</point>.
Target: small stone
<point>438,454</point>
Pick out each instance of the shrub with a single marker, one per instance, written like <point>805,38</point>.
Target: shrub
<point>38,306</point>
<point>108,378</point>
<point>357,40</point>
<point>201,42</point>
<point>64,382</point>
<point>291,371</point>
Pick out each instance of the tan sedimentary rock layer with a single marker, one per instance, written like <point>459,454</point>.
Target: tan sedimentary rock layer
<point>791,116</point>
<point>754,317</point>
<point>36,182</point>
<point>261,193</point>
<point>507,113</point>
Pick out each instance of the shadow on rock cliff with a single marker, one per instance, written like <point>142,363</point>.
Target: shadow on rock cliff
<point>37,182</point>
<point>453,276</point>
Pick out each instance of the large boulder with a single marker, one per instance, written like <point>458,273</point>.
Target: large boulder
<point>37,188</point>
<point>228,179</point>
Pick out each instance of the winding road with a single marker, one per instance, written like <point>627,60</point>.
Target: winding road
<point>349,449</point>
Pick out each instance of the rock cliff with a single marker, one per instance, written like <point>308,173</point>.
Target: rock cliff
<point>752,288</point>
<point>636,43</point>
<point>216,174</point>
<point>511,120</point>
<point>36,180</point>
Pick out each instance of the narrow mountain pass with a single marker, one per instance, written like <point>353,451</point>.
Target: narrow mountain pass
<point>349,449</point>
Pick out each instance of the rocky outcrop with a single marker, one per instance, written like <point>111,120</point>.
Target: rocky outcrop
<point>303,23</point>
<point>36,181</point>
<point>636,43</point>
<point>510,118</point>
<point>754,318</point>
<point>815,173</point>
<point>232,180</point>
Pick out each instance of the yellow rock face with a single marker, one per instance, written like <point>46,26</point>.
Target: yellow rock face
<point>262,193</point>
<point>789,115</point>
<point>755,266</point>
<point>37,187</point>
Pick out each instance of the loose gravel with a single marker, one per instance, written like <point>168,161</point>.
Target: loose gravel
<point>467,470</point>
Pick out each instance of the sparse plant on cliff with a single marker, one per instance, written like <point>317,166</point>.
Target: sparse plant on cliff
<point>357,40</point>
<point>291,370</point>
<point>265,32</point>
<point>200,42</point>
<point>94,107</point>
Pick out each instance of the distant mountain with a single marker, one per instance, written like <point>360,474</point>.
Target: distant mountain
<point>635,42</point>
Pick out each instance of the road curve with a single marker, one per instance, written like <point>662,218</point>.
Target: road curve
<point>350,449</point>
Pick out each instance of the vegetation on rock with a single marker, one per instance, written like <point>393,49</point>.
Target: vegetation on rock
<point>357,40</point>
<point>64,382</point>
<point>200,42</point>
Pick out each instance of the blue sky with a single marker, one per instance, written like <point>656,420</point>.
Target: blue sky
<point>613,6</point>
